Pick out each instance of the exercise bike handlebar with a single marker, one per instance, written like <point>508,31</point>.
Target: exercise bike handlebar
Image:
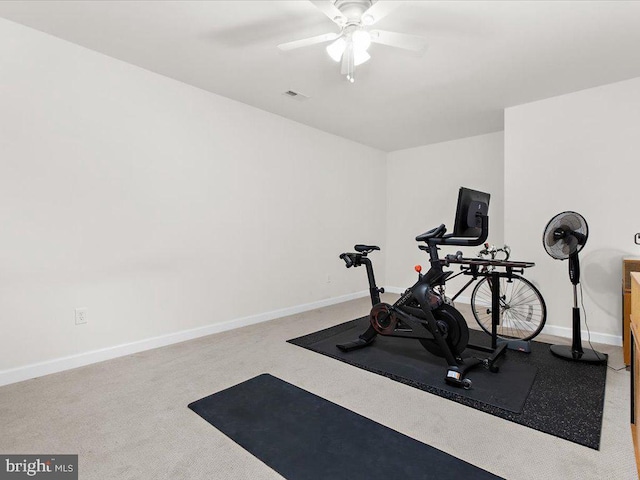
<point>459,241</point>
<point>347,259</point>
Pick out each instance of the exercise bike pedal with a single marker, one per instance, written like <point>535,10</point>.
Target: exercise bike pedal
<point>455,378</point>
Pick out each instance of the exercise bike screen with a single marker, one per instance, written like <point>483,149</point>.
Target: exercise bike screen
<point>472,205</point>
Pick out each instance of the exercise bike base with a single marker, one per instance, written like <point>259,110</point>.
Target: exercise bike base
<point>568,353</point>
<point>517,345</point>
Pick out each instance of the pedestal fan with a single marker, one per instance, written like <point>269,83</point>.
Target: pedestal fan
<point>564,236</point>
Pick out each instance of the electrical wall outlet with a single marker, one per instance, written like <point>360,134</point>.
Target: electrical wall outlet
<point>81,316</point>
<point>637,238</point>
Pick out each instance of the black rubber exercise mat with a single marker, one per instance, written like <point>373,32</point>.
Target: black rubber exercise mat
<point>304,437</point>
<point>535,389</point>
<point>406,361</point>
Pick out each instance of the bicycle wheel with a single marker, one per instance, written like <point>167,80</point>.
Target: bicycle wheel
<point>522,308</point>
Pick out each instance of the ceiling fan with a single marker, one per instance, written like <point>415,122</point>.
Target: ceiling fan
<point>350,44</point>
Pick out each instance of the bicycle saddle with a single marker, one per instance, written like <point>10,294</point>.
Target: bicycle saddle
<point>434,232</point>
<point>365,248</point>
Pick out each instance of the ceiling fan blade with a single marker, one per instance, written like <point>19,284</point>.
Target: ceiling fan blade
<point>305,42</point>
<point>379,10</point>
<point>330,10</point>
<point>399,40</point>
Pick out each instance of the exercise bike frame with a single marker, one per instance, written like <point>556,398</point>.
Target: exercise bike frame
<point>419,291</point>
<point>457,367</point>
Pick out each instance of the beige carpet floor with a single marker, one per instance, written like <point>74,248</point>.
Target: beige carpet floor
<point>128,418</point>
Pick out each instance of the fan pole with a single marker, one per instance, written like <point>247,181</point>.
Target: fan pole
<point>576,346</point>
<point>575,351</point>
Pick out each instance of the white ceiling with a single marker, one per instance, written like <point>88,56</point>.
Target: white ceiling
<point>482,57</point>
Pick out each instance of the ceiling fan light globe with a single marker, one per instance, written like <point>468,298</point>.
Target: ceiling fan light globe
<point>361,39</point>
<point>336,49</point>
<point>360,56</point>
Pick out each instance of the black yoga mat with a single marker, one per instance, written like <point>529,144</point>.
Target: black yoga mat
<point>537,390</point>
<point>303,436</point>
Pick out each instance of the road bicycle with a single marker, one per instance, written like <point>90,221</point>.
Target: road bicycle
<point>523,311</point>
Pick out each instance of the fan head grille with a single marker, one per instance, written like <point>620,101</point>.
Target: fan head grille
<point>565,235</point>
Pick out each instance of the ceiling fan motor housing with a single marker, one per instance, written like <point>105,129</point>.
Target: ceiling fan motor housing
<point>353,9</point>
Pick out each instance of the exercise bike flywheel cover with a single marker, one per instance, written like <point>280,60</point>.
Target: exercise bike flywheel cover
<point>457,331</point>
<point>383,319</point>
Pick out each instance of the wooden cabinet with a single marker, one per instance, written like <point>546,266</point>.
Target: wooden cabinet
<point>635,362</point>
<point>628,265</point>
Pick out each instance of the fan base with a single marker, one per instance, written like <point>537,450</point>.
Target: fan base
<point>568,353</point>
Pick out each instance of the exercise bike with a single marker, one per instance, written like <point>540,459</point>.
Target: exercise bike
<point>421,312</point>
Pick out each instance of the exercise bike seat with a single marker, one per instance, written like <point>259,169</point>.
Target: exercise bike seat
<point>365,248</point>
<point>433,233</point>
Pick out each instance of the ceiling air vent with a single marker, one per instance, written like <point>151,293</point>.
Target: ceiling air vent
<point>301,97</point>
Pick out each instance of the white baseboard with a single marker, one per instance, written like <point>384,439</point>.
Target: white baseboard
<point>74,361</point>
<point>565,332</point>
<point>596,337</point>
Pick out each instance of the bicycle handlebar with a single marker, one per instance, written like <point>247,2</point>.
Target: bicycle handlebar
<point>493,251</point>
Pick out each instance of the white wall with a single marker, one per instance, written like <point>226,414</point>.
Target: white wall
<point>163,208</point>
<point>422,193</point>
<point>577,152</point>
<point>158,206</point>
